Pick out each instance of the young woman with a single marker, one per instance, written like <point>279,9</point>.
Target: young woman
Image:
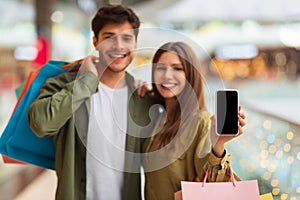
<point>182,145</point>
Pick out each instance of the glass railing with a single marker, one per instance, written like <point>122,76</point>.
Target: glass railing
<point>269,151</point>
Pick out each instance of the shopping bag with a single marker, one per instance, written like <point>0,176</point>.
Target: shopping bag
<point>267,196</point>
<point>18,141</point>
<point>10,160</point>
<point>234,190</point>
<point>20,91</point>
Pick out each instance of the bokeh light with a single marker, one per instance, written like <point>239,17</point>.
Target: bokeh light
<point>271,154</point>
<point>290,135</point>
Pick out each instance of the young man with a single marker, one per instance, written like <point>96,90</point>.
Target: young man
<point>96,114</point>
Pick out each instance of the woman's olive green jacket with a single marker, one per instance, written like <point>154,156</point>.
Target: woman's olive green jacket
<point>188,159</point>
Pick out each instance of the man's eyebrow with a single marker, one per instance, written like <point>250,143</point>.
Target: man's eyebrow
<point>108,33</point>
<point>112,33</point>
<point>127,34</point>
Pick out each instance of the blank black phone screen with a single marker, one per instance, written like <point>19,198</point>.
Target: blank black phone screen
<point>227,112</point>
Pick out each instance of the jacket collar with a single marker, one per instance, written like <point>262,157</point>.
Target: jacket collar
<point>130,82</point>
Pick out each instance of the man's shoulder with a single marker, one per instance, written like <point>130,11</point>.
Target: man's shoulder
<point>63,78</point>
<point>148,97</point>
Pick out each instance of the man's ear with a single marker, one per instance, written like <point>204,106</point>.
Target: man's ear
<point>95,41</point>
<point>136,41</point>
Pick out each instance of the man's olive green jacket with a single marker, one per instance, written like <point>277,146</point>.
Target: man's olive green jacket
<point>62,110</point>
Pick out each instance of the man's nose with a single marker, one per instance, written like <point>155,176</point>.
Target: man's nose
<point>118,42</point>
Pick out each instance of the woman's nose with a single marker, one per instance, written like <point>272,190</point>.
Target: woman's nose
<point>168,72</point>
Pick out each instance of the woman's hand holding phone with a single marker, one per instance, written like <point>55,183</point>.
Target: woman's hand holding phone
<point>219,140</point>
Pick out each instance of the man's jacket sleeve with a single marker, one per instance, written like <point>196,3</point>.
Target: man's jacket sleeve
<point>59,98</point>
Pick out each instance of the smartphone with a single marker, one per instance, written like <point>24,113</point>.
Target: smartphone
<point>227,102</point>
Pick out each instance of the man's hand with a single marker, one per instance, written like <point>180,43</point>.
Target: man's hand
<point>142,87</point>
<point>89,64</point>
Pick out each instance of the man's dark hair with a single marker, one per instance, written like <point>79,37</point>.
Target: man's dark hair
<point>114,14</point>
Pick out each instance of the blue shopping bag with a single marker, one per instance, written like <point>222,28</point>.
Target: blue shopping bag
<point>18,141</point>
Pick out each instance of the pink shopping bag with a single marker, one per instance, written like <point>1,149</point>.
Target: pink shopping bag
<point>246,190</point>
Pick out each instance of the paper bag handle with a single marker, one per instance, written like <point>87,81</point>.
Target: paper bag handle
<point>72,66</point>
<point>231,176</point>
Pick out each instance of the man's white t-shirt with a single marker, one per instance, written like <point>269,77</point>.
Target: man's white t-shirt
<point>106,143</point>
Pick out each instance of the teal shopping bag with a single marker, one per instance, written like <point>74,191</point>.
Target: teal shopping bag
<point>18,141</point>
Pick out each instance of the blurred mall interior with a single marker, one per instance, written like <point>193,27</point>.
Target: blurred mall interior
<point>253,46</point>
